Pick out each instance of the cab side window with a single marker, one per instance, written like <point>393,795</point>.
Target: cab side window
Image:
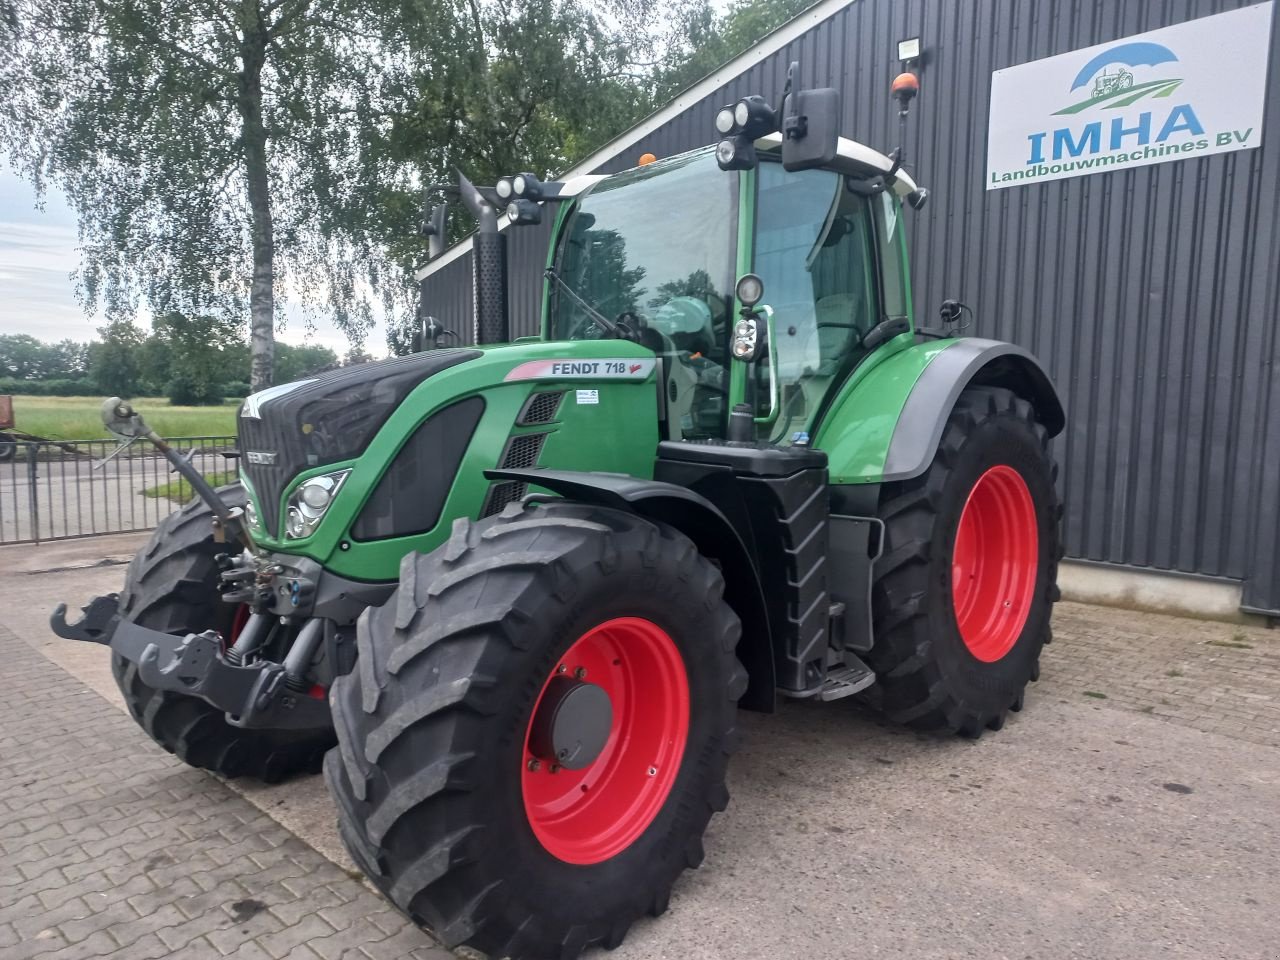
<point>814,250</point>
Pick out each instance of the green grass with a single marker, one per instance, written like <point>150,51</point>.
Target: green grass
<point>179,491</point>
<point>77,418</point>
<point>1095,695</point>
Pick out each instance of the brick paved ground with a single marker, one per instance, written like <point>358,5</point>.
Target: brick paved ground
<point>1150,742</point>
<point>111,848</point>
<point>1210,676</point>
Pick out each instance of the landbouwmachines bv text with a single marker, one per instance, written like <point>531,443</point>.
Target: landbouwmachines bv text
<point>512,596</point>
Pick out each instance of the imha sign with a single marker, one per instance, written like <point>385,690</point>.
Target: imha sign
<point>1192,89</point>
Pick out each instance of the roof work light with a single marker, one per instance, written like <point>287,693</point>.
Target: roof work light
<point>741,124</point>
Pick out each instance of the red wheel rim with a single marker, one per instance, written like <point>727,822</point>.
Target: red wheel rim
<point>994,566</point>
<point>589,815</point>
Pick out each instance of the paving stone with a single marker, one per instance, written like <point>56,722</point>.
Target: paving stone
<point>117,850</point>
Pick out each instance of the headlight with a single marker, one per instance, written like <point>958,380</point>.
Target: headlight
<point>251,513</point>
<point>309,502</point>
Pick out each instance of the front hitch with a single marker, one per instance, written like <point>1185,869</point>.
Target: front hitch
<point>261,694</point>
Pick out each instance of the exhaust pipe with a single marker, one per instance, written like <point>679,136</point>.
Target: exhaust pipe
<point>489,266</point>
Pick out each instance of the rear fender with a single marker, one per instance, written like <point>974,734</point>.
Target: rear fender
<point>711,532</point>
<point>886,426</point>
<point>969,362</point>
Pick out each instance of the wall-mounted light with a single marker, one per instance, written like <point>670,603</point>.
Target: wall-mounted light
<point>909,50</point>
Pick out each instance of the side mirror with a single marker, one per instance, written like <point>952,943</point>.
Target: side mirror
<point>433,228</point>
<point>121,420</point>
<point>810,125</point>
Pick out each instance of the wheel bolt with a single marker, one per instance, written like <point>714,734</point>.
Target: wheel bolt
<point>562,669</point>
<point>653,771</point>
<point>534,765</point>
<point>555,768</point>
<point>580,673</point>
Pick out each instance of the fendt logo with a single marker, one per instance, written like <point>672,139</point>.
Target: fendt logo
<point>1192,89</point>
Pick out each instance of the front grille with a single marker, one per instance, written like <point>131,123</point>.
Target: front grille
<point>326,419</point>
<point>522,451</point>
<point>500,494</point>
<point>540,408</point>
<point>521,454</point>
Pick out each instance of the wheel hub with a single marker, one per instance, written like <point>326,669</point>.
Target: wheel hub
<point>601,757</point>
<point>572,723</point>
<point>994,563</point>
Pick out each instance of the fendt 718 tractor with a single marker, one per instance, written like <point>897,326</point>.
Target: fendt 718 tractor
<point>513,595</point>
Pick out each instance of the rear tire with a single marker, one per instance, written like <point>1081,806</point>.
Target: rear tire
<point>8,449</point>
<point>172,586</point>
<point>433,775</point>
<point>950,654</point>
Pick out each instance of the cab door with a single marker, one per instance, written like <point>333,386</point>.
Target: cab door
<point>815,248</point>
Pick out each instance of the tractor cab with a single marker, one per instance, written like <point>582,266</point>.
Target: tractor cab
<point>658,251</point>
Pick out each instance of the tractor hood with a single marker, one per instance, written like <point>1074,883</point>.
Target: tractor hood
<point>325,419</point>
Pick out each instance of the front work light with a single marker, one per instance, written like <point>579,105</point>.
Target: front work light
<point>309,502</point>
<point>725,121</point>
<point>524,211</point>
<point>750,289</point>
<point>746,339</point>
<point>736,153</point>
<point>526,186</point>
<point>754,117</point>
<point>505,188</point>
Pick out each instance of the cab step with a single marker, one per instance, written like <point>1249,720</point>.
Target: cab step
<point>843,680</point>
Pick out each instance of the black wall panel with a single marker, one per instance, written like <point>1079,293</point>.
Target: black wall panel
<point>1151,294</point>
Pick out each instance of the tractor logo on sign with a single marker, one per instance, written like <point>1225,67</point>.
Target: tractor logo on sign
<point>1116,88</point>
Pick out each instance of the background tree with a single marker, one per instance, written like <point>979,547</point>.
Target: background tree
<point>298,362</point>
<point>212,149</point>
<point>198,367</point>
<point>705,40</point>
<point>22,357</point>
<point>114,361</point>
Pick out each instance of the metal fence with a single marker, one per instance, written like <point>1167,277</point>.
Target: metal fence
<point>55,490</point>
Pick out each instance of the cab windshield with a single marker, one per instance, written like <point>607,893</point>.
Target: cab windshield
<point>653,249</point>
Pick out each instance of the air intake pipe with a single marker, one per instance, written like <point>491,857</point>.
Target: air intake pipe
<point>489,266</point>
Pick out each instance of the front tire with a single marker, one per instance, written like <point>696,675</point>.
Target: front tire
<point>172,586</point>
<point>446,792</point>
<point>965,587</point>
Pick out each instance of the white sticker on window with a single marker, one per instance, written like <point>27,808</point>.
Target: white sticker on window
<point>588,396</point>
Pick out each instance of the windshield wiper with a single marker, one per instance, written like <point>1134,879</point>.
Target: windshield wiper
<point>601,321</point>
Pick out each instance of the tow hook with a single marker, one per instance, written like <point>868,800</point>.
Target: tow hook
<point>96,626</point>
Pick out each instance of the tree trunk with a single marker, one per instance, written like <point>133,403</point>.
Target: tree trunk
<point>253,52</point>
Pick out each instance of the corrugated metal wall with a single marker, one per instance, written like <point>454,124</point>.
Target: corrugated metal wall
<point>1152,294</point>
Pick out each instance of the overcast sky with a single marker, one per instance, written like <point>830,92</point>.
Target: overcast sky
<point>38,252</point>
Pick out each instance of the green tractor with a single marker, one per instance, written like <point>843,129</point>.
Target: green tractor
<point>512,596</point>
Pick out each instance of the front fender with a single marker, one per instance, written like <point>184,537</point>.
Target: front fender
<point>711,532</point>
<point>887,425</point>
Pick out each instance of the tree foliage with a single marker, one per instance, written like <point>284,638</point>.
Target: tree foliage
<point>705,40</point>
<point>24,357</point>
<point>216,151</point>
<point>224,156</point>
